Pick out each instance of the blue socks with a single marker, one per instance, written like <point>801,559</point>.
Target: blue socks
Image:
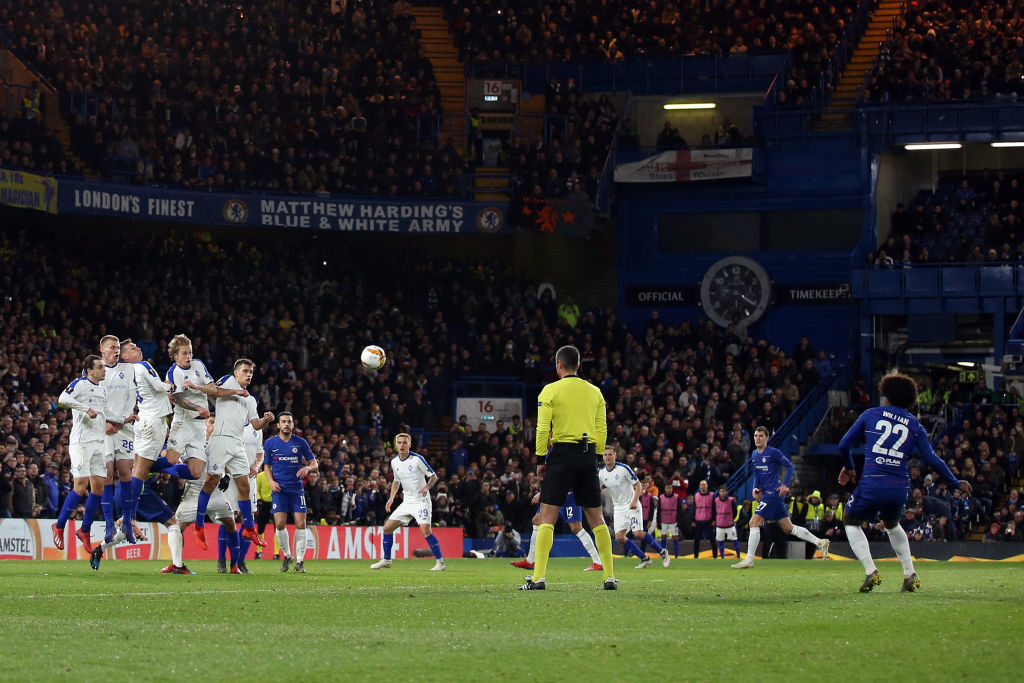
<point>201,505</point>
<point>222,542</point>
<point>134,491</point>
<point>435,546</point>
<point>232,541</point>
<point>107,505</point>
<point>650,540</point>
<point>92,504</point>
<point>721,548</point>
<point>180,470</point>
<point>70,503</point>
<point>736,544</point>
<point>245,507</point>
<point>676,547</point>
<point>389,540</point>
<point>632,549</point>
<point>243,547</point>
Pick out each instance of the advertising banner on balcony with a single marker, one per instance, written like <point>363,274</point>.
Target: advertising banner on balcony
<point>686,165</point>
<point>341,214</point>
<point>28,191</point>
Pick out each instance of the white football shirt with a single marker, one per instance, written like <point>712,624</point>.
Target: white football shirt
<point>80,396</point>
<point>619,482</point>
<point>233,412</point>
<point>200,376</point>
<point>153,399</point>
<point>119,385</point>
<point>412,473</point>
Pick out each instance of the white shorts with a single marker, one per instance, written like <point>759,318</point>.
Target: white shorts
<point>414,511</point>
<point>727,533</point>
<point>88,459</point>
<point>669,530</point>
<point>188,438</point>
<point>226,455</point>
<point>218,508</point>
<point>120,445</point>
<point>232,491</point>
<point>629,519</point>
<point>150,434</point>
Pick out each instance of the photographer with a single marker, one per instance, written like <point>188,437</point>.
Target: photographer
<point>508,543</point>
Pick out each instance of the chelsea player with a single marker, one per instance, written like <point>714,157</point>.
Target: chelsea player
<point>289,459</point>
<point>890,435</point>
<point>767,462</point>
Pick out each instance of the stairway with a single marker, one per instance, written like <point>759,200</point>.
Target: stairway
<point>439,48</point>
<point>845,94</point>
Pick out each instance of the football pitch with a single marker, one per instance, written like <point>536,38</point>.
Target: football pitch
<point>697,620</point>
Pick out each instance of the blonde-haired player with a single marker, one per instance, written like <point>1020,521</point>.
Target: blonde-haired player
<point>625,489</point>
<point>186,440</point>
<point>415,477</point>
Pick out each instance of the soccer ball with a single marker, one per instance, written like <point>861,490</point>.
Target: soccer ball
<point>373,357</point>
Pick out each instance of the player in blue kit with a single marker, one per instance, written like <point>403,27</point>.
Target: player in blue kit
<point>288,459</point>
<point>768,462</point>
<point>890,436</point>
<point>149,507</point>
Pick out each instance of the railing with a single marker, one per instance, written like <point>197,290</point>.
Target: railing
<point>798,426</point>
<point>878,126</point>
<point>606,185</point>
<point>843,50</point>
<point>946,280</point>
<point>673,76</point>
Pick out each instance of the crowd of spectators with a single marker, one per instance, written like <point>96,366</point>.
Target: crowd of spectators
<point>683,397</point>
<point>26,145</point>
<point>562,32</point>
<point>279,96</point>
<point>581,129</point>
<point>951,50</point>
<point>974,219</point>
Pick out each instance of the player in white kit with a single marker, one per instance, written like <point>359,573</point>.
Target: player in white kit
<point>225,451</point>
<point>218,508</point>
<point>119,384</point>
<point>625,489</point>
<point>151,426</point>
<point>87,401</point>
<point>252,440</point>
<point>415,477</point>
<point>186,440</point>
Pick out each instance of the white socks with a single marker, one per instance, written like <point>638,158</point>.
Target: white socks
<point>176,544</point>
<point>531,554</point>
<point>804,535</point>
<point>282,540</point>
<point>752,543</point>
<point>588,545</point>
<point>300,544</point>
<point>859,546</point>
<point>901,544</point>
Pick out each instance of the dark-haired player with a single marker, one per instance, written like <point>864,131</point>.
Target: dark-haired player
<point>768,463</point>
<point>890,435</point>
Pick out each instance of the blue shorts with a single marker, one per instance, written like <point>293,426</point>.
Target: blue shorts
<point>772,508</point>
<point>288,501</point>
<point>870,500</point>
<point>570,512</point>
<point>152,507</point>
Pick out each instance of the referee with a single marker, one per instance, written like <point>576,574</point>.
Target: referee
<point>572,412</point>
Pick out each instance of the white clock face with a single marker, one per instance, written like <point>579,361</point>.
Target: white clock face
<point>735,289</point>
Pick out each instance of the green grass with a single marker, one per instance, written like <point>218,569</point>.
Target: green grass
<point>697,620</point>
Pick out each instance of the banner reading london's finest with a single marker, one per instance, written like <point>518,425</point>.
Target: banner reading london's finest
<point>343,214</point>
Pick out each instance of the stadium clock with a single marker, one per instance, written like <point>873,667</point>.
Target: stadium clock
<point>736,289</point>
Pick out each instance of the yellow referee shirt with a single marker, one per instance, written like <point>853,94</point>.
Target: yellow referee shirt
<point>568,409</point>
<point>263,491</point>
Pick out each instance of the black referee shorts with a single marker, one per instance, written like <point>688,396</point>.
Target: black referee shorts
<point>570,468</point>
